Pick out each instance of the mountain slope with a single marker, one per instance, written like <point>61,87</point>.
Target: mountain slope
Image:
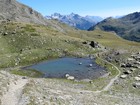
<point>127,27</point>
<point>76,20</point>
<point>13,10</point>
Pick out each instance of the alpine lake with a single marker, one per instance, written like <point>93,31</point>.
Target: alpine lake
<point>79,68</point>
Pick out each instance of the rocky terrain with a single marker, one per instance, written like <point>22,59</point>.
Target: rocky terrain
<point>19,90</point>
<point>13,10</point>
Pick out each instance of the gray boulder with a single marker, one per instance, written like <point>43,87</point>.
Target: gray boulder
<point>70,78</point>
<point>136,85</point>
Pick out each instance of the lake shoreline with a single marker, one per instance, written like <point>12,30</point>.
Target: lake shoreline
<point>90,74</point>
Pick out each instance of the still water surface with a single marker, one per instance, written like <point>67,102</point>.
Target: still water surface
<point>77,67</point>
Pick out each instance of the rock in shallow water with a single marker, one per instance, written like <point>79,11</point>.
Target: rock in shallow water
<point>90,65</point>
<point>80,63</point>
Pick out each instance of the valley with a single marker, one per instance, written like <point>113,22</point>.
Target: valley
<point>27,38</point>
<point>39,46</point>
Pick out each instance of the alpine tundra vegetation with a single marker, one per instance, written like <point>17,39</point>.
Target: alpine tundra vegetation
<point>28,39</point>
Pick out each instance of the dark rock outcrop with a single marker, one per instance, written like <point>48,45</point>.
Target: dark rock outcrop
<point>93,44</point>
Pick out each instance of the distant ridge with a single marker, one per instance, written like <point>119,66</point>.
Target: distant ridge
<point>127,26</point>
<point>76,20</point>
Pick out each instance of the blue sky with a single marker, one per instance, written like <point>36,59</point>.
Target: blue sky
<point>102,8</point>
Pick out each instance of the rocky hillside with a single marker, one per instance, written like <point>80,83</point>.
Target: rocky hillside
<point>127,27</point>
<point>13,10</point>
<point>76,20</point>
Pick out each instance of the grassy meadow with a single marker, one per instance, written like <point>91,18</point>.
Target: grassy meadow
<point>24,44</point>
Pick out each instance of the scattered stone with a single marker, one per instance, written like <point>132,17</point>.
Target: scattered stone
<point>138,58</point>
<point>31,11</point>
<point>130,59</point>
<point>117,53</point>
<point>94,44</point>
<point>14,32</point>
<point>44,97</point>
<point>129,65</point>
<point>90,65</point>
<point>138,67</point>
<point>81,92</point>
<point>123,65</point>
<point>70,78</point>
<point>132,69</point>
<point>137,62</point>
<point>138,53</point>
<point>91,57</point>
<point>16,64</point>
<point>116,60</point>
<point>137,78</point>
<point>86,80</point>
<point>91,82</point>
<point>136,85</point>
<point>85,42</point>
<point>8,83</point>
<point>15,83</point>
<point>133,55</point>
<point>80,63</point>
<point>127,72</point>
<point>123,76</point>
<point>8,20</point>
<point>5,33</point>
<point>67,75</point>
<point>66,41</point>
<point>24,77</point>
<point>116,82</point>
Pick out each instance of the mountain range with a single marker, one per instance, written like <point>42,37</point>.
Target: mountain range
<point>127,26</point>
<point>76,20</point>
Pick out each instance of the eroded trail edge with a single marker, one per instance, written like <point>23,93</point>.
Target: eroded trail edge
<point>14,92</point>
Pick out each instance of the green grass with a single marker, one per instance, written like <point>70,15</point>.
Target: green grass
<point>100,83</point>
<point>28,72</point>
<point>29,28</point>
<point>33,43</point>
<point>110,68</point>
<point>111,40</point>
